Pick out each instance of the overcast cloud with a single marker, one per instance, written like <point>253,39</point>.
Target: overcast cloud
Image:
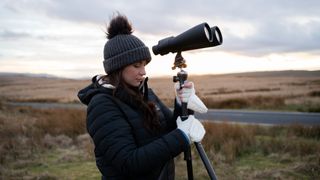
<point>254,28</point>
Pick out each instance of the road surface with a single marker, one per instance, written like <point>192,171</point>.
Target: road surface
<point>261,117</point>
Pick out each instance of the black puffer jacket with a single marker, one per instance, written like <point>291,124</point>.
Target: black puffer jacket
<point>124,149</point>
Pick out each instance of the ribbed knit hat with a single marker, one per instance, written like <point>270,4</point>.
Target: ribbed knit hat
<point>122,50</point>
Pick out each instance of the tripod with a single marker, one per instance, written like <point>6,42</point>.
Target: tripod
<point>181,77</point>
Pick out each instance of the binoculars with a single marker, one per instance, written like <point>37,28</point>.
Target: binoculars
<point>200,36</point>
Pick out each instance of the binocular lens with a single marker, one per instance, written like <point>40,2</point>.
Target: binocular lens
<point>208,34</point>
<point>217,36</point>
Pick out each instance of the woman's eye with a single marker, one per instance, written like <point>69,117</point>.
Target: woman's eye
<point>137,65</point>
<point>140,64</point>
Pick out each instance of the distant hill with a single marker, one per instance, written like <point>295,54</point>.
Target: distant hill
<point>27,75</point>
<point>287,73</point>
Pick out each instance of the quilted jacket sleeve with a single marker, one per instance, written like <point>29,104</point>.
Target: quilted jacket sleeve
<point>112,136</point>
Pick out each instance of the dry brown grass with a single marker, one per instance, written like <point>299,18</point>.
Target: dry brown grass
<point>234,140</point>
<point>290,88</point>
<point>26,132</point>
<point>254,91</point>
<point>256,102</point>
<point>230,140</point>
<point>22,88</point>
<point>258,152</point>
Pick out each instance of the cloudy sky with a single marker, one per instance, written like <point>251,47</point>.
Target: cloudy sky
<point>66,37</point>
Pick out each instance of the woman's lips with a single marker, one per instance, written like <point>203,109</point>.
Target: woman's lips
<point>140,79</point>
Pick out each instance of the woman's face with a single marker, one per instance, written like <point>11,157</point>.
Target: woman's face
<point>133,74</point>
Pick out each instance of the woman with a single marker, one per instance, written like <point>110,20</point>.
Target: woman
<point>135,135</point>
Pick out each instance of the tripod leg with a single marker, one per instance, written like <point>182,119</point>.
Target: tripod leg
<point>187,153</point>
<point>182,77</point>
<point>205,160</point>
<point>188,159</point>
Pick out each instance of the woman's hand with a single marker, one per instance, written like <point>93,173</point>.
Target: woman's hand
<point>192,128</point>
<point>187,95</point>
<point>183,94</point>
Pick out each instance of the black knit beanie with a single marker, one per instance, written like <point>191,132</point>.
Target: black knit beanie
<point>123,48</point>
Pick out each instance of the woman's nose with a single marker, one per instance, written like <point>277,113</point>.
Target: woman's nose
<point>143,71</point>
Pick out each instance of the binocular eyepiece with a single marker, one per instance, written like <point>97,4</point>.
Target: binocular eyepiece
<point>200,36</point>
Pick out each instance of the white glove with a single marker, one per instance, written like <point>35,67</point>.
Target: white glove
<point>197,130</point>
<point>184,93</point>
<point>196,104</point>
<point>192,127</point>
<point>184,126</point>
<point>187,94</point>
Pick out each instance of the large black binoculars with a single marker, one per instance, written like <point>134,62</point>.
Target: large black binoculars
<point>200,36</point>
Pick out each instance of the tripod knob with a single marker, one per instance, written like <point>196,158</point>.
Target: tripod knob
<point>175,79</point>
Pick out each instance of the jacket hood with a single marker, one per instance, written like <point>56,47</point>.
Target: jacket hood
<point>85,95</point>
<point>99,86</point>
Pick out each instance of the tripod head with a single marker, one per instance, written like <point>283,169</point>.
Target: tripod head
<point>182,75</point>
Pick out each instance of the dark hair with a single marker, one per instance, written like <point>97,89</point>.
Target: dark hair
<point>119,25</point>
<point>133,97</point>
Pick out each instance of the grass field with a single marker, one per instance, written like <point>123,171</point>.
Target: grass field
<point>283,90</point>
<point>53,143</point>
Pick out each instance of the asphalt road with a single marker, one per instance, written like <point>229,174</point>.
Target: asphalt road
<point>261,117</point>
<point>235,116</point>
